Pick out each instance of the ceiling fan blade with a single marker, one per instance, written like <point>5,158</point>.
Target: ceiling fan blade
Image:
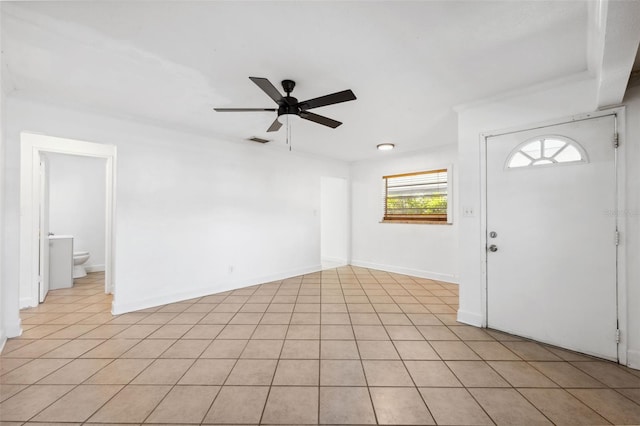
<point>334,98</point>
<point>243,109</point>
<point>319,119</point>
<point>267,88</point>
<point>275,126</point>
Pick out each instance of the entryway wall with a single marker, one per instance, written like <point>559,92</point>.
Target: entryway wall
<point>537,105</point>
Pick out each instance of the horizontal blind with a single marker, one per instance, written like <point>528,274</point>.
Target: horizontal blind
<point>416,196</point>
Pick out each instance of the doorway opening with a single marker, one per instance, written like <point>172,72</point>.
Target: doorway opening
<point>34,218</point>
<point>334,222</point>
<point>72,213</point>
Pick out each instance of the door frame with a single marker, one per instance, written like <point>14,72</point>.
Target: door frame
<point>43,213</point>
<point>32,146</point>
<point>621,296</point>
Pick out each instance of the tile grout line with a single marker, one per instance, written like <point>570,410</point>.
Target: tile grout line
<point>129,383</point>
<point>300,288</point>
<point>320,353</point>
<point>237,359</point>
<point>160,357</point>
<point>266,401</point>
<point>415,386</point>
<point>47,375</point>
<point>366,380</point>
<point>454,375</point>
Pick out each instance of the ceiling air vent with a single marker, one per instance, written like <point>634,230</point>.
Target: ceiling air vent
<point>259,140</point>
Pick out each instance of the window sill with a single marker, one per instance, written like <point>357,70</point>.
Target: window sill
<point>419,222</point>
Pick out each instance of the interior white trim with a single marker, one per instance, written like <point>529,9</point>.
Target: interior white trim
<point>470,318</point>
<point>163,299</point>
<point>31,147</point>
<point>341,261</point>
<point>95,268</point>
<point>438,276</point>
<point>450,195</point>
<point>621,179</point>
<point>523,91</point>
<point>13,327</point>
<point>619,112</point>
<point>633,359</point>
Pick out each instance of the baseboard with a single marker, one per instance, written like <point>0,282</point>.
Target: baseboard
<point>94,268</point>
<point>28,302</point>
<point>438,276</point>
<point>122,308</point>
<point>633,359</point>
<point>333,262</point>
<point>470,318</point>
<point>13,328</point>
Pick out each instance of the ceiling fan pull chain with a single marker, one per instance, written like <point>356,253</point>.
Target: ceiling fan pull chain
<point>287,128</point>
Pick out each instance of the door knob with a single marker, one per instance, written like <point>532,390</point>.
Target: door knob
<point>493,248</point>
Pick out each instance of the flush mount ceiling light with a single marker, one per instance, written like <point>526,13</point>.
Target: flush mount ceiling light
<point>385,146</point>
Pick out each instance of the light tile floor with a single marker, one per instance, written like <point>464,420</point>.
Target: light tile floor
<point>345,346</point>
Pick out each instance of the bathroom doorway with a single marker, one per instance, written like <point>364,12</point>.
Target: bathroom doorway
<point>35,151</point>
<point>75,212</point>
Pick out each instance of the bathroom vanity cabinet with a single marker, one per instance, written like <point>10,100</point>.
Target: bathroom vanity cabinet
<point>60,261</point>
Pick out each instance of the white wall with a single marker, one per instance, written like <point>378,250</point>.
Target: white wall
<point>424,250</point>
<point>193,215</point>
<point>532,107</point>
<point>334,221</point>
<point>77,203</point>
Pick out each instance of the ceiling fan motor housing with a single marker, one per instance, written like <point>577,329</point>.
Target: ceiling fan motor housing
<point>289,108</point>
<point>288,86</point>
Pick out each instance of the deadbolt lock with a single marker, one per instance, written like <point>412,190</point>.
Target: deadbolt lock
<point>493,234</point>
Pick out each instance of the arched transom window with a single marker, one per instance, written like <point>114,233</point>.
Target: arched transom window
<point>546,150</point>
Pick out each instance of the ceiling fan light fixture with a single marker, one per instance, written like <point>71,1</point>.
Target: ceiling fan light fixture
<point>385,146</point>
<point>290,117</point>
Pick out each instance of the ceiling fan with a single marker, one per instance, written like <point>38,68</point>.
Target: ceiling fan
<point>289,106</point>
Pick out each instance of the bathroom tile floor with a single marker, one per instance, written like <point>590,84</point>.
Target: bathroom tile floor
<point>344,346</point>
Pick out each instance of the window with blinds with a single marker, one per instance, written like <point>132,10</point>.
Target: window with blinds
<point>417,197</point>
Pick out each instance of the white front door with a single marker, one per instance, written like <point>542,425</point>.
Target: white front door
<point>551,200</point>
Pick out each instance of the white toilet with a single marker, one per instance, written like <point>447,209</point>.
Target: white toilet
<point>79,259</point>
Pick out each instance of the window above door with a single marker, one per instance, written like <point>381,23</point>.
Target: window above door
<point>546,150</point>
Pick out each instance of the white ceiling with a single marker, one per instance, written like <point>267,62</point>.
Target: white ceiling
<point>408,63</point>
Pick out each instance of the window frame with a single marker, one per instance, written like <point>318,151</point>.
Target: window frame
<point>444,219</point>
<point>567,140</point>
